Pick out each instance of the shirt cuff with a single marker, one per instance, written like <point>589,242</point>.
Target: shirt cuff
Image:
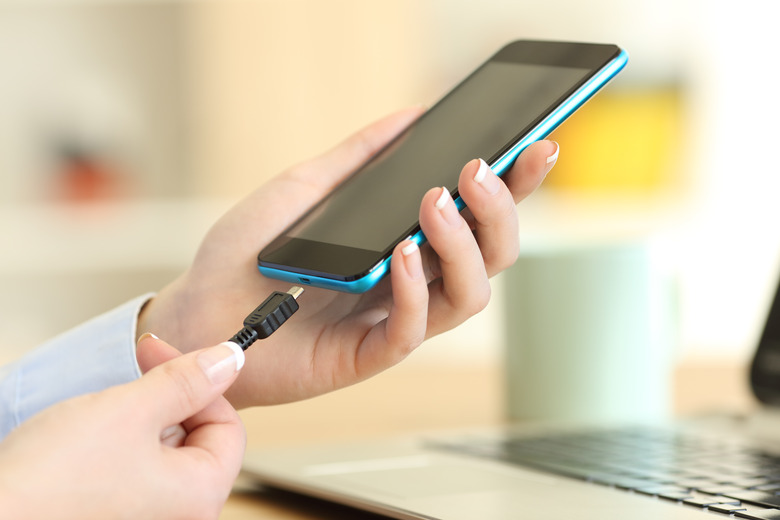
<point>91,357</point>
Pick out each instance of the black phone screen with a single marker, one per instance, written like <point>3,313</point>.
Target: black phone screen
<point>379,205</point>
<point>369,210</point>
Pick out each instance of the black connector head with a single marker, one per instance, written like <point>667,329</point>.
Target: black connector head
<point>268,317</point>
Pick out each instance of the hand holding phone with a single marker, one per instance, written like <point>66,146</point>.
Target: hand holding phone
<point>517,97</point>
<point>337,339</point>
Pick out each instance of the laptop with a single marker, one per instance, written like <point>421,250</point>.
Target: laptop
<point>677,471</point>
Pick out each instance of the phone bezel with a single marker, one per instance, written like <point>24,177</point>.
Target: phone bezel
<point>356,270</point>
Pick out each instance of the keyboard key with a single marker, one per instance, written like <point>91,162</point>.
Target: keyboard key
<point>772,487</point>
<point>689,483</point>
<point>677,496</point>
<point>706,502</point>
<point>766,514</point>
<point>631,483</point>
<point>660,490</point>
<point>748,483</point>
<point>720,490</point>
<point>726,508</point>
<point>761,498</point>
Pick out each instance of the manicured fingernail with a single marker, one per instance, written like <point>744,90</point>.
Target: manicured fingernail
<point>481,171</point>
<point>147,335</point>
<point>447,209</point>
<point>411,261</point>
<point>486,178</point>
<point>554,157</point>
<point>410,248</point>
<point>443,198</point>
<point>221,362</point>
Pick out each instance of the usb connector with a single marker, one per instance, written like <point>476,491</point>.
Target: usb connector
<point>268,317</point>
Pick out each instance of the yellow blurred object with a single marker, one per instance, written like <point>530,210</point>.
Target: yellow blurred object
<point>623,141</point>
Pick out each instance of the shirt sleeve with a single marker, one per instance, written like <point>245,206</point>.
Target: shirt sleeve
<point>91,357</point>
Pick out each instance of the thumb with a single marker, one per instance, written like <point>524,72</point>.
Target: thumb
<point>185,385</point>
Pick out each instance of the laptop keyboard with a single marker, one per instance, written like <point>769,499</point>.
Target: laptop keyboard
<point>717,475</point>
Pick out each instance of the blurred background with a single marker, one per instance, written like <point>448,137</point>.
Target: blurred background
<point>128,127</point>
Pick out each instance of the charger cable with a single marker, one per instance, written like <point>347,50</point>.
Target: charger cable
<point>268,317</point>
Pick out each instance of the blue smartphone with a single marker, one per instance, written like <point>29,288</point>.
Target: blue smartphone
<point>518,96</point>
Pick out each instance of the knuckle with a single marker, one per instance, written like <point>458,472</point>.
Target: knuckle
<point>481,299</point>
<point>509,257</point>
<point>409,346</point>
<point>405,344</point>
<point>474,303</point>
<point>499,259</point>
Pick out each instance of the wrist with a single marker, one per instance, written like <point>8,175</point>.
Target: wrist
<point>164,316</point>
<point>154,317</point>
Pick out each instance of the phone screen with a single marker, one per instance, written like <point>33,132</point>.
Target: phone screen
<point>360,222</point>
<point>370,209</point>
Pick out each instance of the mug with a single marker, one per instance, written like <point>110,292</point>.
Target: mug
<point>589,335</point>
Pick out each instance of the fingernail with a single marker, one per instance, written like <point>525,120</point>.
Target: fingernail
<point>448,210</point>
<point>554,157</point>
<point>410,248</point>
<point>220,363</point>
<point>413,265</point>
<point>443,198</point>
<point>489,182</point>
<point>146,335</point>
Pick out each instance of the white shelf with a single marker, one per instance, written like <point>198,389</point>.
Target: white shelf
<point>103,237</point>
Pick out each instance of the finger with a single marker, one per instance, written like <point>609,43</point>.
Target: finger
<point>463,288</point>
<point>494,215</point>
<point>530,168</point>
<point>184,386</point>
<point>405,326</point>
<point>152,353</point>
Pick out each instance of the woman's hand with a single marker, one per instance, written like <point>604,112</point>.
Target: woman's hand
<point>338,339</point>
<point>166,446</point>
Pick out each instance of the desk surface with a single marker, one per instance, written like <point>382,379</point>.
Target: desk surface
<point>414,397</point>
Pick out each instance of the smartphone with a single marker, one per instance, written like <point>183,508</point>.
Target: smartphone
<point>518,96</point>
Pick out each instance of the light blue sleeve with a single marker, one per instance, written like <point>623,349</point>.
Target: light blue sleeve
<point>93,356</point>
